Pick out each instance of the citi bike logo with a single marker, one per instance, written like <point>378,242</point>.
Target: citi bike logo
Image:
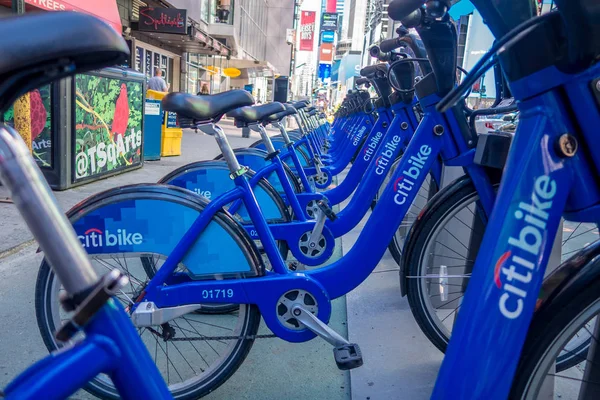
<point>384,159</point>
<point>370,149</point>
<point>405,184</point>
<point>94,237</point>
<point>514,269</point>
<point>358,136</point>
<point>205,193</point>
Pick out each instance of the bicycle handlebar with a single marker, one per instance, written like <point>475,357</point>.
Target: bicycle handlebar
<point>54,233</point>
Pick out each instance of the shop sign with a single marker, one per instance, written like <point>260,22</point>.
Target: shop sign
<point>307,30</point>
<point>108,125</point>
<point>329,22</point>
<point>164,20</point>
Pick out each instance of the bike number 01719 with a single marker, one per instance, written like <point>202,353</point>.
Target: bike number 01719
<point>217,294</point>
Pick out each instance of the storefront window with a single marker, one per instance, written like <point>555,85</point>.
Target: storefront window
<point>38,112</point>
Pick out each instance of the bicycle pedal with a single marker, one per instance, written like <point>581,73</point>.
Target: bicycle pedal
<point>324,206</point>
<point>348,356</point>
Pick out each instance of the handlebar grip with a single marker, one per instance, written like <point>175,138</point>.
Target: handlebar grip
<point>389,44</point>
<point>361,81</point>
<point>400,9</point>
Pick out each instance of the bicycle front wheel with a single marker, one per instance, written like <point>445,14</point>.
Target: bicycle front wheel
<point>441,254</point>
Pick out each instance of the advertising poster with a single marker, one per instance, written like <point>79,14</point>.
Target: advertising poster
<point>307,30</point>
<point>328,37</point>
<point>326,53</point>
<point>41,122</point>
<point>108,125</point>
<point>329,22</point>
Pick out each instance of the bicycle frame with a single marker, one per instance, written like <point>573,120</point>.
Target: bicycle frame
<point>324,284</point>
<point>111,346</point>
<point>509,270</point>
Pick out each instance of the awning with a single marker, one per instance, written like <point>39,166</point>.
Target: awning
<point>196,41</point>
<point>106,10</point>
<point>253,69</point>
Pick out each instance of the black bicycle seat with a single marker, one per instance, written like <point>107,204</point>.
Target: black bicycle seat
<point>249,115</point>
<point>373,71</point>
<point>300,104</point>
<point>39,48</point>
<point>207,107</point>
<point>289,110</point>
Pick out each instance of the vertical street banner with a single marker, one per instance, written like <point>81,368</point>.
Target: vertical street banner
<point>331,6</point>
<point>307,30</point>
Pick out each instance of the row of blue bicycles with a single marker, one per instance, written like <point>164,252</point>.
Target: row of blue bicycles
<point>157,290</point>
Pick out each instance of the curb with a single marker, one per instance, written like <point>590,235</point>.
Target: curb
<point>16,249</point>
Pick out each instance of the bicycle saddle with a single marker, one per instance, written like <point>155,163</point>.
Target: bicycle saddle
<point>300,104</point>
<point>207,107</point>
<point>32,56</point>
<point>248,115</point>
<point>289,110</point>
<point>373,71</point>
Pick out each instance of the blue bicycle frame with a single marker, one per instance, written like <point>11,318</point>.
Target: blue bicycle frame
<point>325,284</point>
<point>111,346</point>
<point>509,270</point>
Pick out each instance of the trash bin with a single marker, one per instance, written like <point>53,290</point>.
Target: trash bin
<point>153,119</point>
<point>171,133</point>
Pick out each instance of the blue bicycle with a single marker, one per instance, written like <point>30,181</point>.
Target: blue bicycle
<point>104,341</point>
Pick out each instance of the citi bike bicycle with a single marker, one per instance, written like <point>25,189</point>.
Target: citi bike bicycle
<point>202,257</point>
<point>514,325</point>
<point>190,267</point>
<point>36,52</point>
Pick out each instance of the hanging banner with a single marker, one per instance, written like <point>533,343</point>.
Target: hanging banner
<point>329,22</point>
<point>331,6</point>
<point>328,37</point>
<point>326,53</point>
<point>307,30</point>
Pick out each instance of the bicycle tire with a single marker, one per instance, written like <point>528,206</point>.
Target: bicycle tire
<point>215,376</point>
<point>414,263</point>
<point>545,331</point>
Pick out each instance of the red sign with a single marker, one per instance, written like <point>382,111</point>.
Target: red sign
<point>104,9</point>
<point>326,53</point>
<point>331,6</point>
<point>307,30</point>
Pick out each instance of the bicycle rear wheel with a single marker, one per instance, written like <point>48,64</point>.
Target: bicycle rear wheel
<point>195,352</point>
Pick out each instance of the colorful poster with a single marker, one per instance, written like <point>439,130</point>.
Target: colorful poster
<point>41,125</point>
<point>108,125</point>
<point>307,30</point>
<point>328,37</point>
